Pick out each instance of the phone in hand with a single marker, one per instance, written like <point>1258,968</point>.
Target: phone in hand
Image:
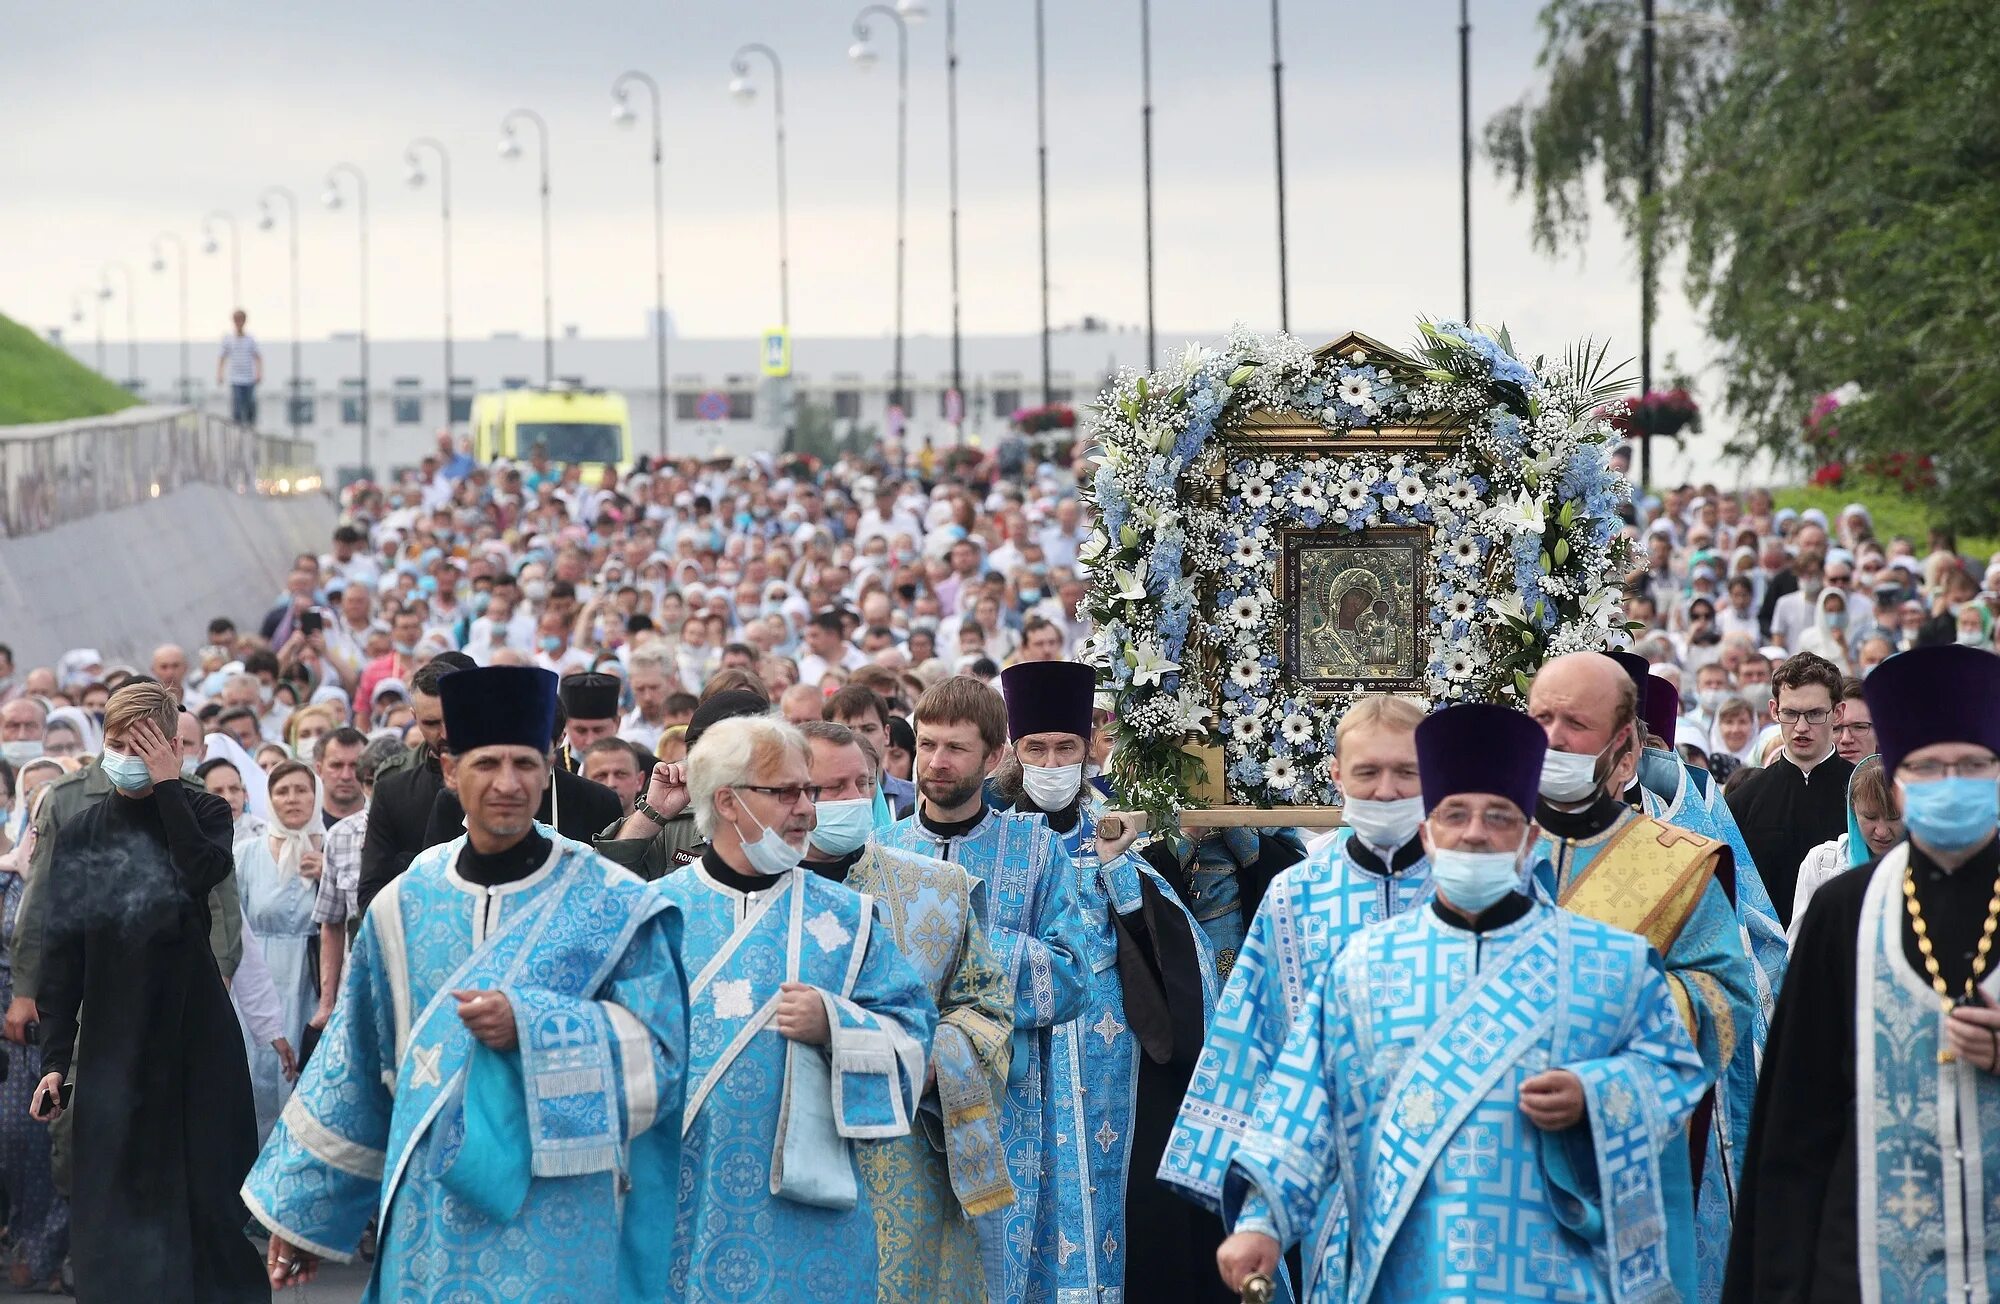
<point>47,1104</point>
<point>311,622</point>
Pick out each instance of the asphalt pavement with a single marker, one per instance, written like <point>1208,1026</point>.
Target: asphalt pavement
<point>336,1284</point>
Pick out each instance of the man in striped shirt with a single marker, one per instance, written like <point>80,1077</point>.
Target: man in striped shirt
<point>241,363</point>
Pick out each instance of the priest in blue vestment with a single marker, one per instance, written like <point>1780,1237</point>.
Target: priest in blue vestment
<point>1373,869</point>
<point>1105,1230</point>
<point>1493,1082</point>
<point>808,1032</point>
<point>1874,1153</point>
<point>512,1023</point>
<point>1033,921</point>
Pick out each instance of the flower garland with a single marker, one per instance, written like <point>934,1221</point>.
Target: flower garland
<point>1523,542</point>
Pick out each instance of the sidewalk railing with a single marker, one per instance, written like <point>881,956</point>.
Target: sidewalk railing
<point>63,471</point>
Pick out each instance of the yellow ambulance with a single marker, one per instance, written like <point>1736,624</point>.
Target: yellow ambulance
<point>589,428</point>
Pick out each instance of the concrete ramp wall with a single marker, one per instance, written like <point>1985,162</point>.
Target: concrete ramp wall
<point>128,580</point>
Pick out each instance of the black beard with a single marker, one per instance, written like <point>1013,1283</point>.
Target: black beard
<point>949,798</point>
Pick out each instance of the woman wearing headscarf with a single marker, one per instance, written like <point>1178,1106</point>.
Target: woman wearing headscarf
<point>278,874</point>
<point>1975,629</point>
<point>38,1216</point>
<point>1732,739</point>
<point>1874,824</point>
<point>89,734</point>
<point>1827,635</point>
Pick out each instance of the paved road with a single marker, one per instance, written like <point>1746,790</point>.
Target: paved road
<point>334,1285</point>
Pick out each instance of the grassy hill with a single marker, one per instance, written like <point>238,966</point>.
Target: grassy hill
<point>39,382</point>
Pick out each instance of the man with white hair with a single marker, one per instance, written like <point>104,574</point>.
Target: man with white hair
<point>810,1034</point>
<point>650,674</point>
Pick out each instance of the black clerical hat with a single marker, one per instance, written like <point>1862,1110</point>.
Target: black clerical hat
<point>723,706</point>
<point>1480,748</point>
<point>588,695</point>
<point>498,706</point>
<point>1933,695</point>
<point>1048,697</point>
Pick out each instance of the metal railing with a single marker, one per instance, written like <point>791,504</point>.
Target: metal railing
<point>63,471</point>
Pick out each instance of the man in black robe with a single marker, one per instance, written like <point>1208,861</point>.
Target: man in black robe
<point>571,805</point>
<point>165,1128</point>
<point>589,701</point>
<point>399,815</point>
<point>1809,1220</point>
<point>1799,800</point>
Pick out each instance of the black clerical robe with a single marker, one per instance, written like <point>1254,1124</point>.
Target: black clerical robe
<point>165,1130</point>
<point>1784,813</point>
<point>1796,1229</point>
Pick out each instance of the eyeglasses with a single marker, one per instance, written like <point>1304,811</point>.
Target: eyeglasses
<point>1855,727</point>
<point>1786,715</point>
<point>1977,767</point>
<point>789,794</point>
<point>1504,823</point>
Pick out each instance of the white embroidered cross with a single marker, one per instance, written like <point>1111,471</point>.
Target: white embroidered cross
<point>427,1059</point>
<point>1108,1028</point>
<point>732,998</point>
<point>828,931</point>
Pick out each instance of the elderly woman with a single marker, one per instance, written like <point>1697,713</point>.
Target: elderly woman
<point>278,873</point>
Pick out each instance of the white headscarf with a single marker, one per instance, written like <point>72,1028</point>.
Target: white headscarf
<point>86,727</point>
<point>257,792</point>
<point>293,844</point>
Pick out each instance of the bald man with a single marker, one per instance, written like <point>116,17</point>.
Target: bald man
<point>1598,857</point>
<point>170,666</point>
<point>802,703</point>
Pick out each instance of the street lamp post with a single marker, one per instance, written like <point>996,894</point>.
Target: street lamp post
<point>744,89</point>
<point>76,318</point>
<point>131,318</point>
<point>413,160</point>
<point>864,54</point>
<point>624,116</point>
<point>510,148</point>
<point>209,246</point>
<point>1146,152</point>
<point>266,219</point>
<point>1278,120</point>
<point>333,200</point>
<point>1042,187</point>
<point>1465,152</point>
<point>186,390</point>
<point>1648,58</point>
<point>915,11</point>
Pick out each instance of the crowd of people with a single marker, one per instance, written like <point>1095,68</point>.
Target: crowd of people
<point>891,1005</point>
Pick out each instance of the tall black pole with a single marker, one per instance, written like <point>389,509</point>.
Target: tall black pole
<point>292,220</point>
<point>415,162</point>
<point>1646,186</point>
<point>659,235</point>
<point>951,121</point>
<point>1278,104</point>
<point>1465,149</point>
<point>1042,181</point>
<point>186,390</point>
<point>131,318</point>
<point>509,147</point>
<point>742,88</point>
<point>896,396</point>
<point>361,214</point>
<point>1146,150</point>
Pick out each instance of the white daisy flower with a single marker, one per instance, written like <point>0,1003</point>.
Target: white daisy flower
<point>1296,728</point>
<point>1461,495</point>
<point>1305,494</point>
<point>1460,665</point>
<point>1246,613</point>
<point>1248,552</point>
<point>1247,672</point>
<point>1280,773</point>
<point>1256,493</point>
<point>1246,729</point>
<point>1353,495</point>
<point>1465,552</point>
<point>1410,489</point>
<point>1356,390</point>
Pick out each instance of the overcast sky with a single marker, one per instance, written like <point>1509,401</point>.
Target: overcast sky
<point>129,118</point>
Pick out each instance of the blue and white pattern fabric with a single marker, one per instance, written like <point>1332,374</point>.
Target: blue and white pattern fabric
<point>1400,1083</point>
<point>740,1238</point>
<point>1090,1097</point>
<point>1038,932</point>
<point>490,1172</point>
<point>1308,913</point>
<point>1926,1224</point>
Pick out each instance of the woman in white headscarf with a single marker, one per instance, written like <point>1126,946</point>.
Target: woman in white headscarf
<point>278,874</point>
<point>256,788</point>
<point>88,732</point>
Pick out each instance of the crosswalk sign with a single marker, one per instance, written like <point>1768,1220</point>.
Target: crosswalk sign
<point>777,352</point>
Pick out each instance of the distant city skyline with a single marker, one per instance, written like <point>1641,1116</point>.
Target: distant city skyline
<point>128,141</point>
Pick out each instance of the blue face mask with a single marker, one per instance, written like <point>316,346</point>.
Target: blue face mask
<point>1029,597</point>
<point>843,825</point>
<point>551,644</point>
<point>1952,814</point>
<point>127,773</point>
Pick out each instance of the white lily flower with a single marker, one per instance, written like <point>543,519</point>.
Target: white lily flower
<point>1508,603</point>
<point>1523,513</point>
<point>1149,665</point>
<point>1131,583</point>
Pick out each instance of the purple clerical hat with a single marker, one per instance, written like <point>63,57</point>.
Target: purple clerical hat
<point>1661,708</point>
<point>1639,671</point>
<point>1048,697</point>
<point>1479,748</point>
<point>1934,695</point>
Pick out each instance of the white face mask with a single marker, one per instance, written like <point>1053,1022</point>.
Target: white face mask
<point>1570,776</point>
<point>1052,787</point>
<point>1474,880</point>
<point>1386,824</point>
<point>770,855</point>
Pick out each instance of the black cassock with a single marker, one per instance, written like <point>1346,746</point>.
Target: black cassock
<point>164,1127</point>
<point>580,809</point>
<point>1794,1240</point>
<point>1784,813</point>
